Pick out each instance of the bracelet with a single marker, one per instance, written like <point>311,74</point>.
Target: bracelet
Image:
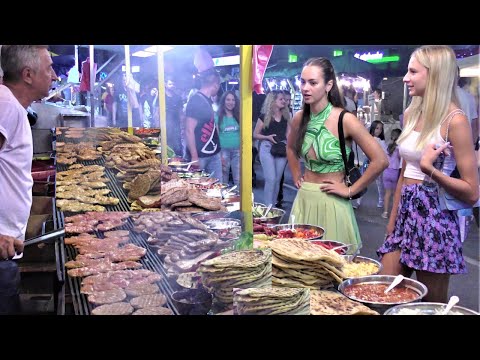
<point>349,193</point>
<point>431,174</point>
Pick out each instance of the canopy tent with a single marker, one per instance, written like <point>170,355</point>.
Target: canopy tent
<point>469,66</point>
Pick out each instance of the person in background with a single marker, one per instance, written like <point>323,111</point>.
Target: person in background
<point>349,103</point>
<point>390,174</point>
<point>228,123</point>
<point>201,132</point>
<point>126,94</point>
<point>27,76</point>
<point>288,99</point>
<point>110,105</point>
<point>376,130</point>
<point>272,127</point>
<point>377,105</point>
<point>420,236</point>
<point>323,198</point>
<point>175,117</point>
<point>85,80</point>
<point>257,104</point>
<point>469,107</point>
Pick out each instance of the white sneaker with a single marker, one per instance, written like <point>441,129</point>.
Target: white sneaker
<point>380,205</point>
<point>385,215</point>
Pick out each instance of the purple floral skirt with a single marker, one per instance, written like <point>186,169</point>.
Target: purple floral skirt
<point>429,238</point>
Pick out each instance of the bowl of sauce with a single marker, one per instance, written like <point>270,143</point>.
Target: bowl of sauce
<point>369,290</point>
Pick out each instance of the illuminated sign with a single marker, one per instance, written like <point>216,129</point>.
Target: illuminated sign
<point>337,52</point>
<point>369,56</point>
<point>227,60</point>
<point>292,58</point>
<point>386,59</point>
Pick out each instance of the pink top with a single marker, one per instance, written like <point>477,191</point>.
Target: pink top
<point>15,166</point>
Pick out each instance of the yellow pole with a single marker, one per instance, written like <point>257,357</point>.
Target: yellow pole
<point>161,105</point>
<point>246,52</point>
<point>127,73</point>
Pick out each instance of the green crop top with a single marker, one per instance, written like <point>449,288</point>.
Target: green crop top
<point>324,143</point>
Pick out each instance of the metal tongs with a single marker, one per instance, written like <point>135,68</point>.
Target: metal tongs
<point>41,238</point>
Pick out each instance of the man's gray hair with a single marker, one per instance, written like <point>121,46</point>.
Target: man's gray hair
<point>14,58</point>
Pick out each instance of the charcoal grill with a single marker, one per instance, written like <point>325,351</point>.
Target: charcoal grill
<point>150,261</point>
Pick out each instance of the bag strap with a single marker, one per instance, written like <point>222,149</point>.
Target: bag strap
<point>342,139</point>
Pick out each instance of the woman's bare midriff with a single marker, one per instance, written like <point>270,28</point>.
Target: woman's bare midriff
<point>317,178</point>
<point>408,181</point>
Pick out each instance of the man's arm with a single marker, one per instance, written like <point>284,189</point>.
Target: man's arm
<point>191,124</point>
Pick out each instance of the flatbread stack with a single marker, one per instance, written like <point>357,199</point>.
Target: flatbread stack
<point>325,302</point>
<point>299,263</point>
<point>271,301</point>
<point>236,269</point>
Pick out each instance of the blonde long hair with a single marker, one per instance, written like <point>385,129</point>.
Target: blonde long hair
<point>267,108</point>
<point>440,92</point>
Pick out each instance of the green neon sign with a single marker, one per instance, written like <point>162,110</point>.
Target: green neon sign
<point>337,52</point>
<point>385,59</point>
<point>292,58</point>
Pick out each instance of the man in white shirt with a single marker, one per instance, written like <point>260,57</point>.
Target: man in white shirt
<point>27,76</point>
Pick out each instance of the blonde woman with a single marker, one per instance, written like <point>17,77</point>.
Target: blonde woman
<point>272,127</point>
<point>420,236</point>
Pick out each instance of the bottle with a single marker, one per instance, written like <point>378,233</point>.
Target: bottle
<point>437,164</point>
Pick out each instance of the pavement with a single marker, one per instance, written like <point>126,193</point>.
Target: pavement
<point>372,229</point>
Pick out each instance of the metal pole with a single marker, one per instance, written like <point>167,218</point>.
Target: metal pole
<point>246,53</point>
<point>128,74</point>
<point>161,105</point>
<point>405,97</point>
<point>92,86</point>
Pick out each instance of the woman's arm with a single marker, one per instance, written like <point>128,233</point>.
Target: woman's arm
<point>465,188</point>
<point>293,161</point>
<point>257,133</point>
<point>372,149</point>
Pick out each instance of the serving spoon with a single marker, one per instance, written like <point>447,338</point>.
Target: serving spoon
<point>451,303</point>
<point>267,211</point>
<point>398,279</point>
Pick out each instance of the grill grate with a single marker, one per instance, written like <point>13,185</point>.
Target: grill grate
<point>150,261</point>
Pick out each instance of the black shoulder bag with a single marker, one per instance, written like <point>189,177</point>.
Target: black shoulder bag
<point>352,171</point>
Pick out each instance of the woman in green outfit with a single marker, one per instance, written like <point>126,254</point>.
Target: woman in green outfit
<point>323,198</point>
<point>227,120</point>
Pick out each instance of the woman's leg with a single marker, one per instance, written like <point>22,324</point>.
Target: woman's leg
<point>235,163</point>
<point>280,163</point>
<point>391,265</point>
<point>268,167</point>
<point>381,190</point>
<point>437,285</point>
<point>386,200</point>
<point>226,153</point>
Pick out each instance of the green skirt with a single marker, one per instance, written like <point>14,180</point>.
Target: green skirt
<point>333,213</point>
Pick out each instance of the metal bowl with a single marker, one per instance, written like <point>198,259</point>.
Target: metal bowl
<point>363,259</point>
<point>274,216</point>
<point>332,244</point>
<point>192,301</point>
<point>317,228</point>
<point>428,308</point>
<point>381,307</point>
<point>223,223</point>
